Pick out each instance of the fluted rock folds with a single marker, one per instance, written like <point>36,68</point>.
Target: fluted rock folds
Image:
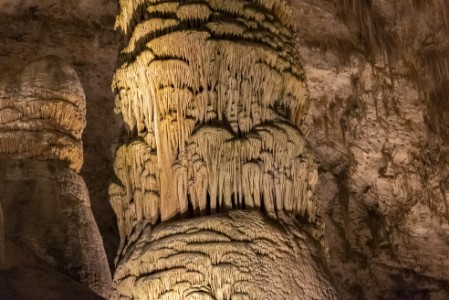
<point>236,255</point>
<point>213,94</point>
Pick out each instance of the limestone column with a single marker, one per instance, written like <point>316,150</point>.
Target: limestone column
<point>47,221</point>
<point>215,187</point>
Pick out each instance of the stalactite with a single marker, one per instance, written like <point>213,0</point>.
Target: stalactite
<point>136,199</point>
<point>211,89</point>
<point>193,11</point>
<point>125,19</point>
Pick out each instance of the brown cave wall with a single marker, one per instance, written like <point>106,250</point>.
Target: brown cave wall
<point>378,125</point>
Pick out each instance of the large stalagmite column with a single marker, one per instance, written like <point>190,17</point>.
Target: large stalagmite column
<point>48,225</point>
<point>216,174</point>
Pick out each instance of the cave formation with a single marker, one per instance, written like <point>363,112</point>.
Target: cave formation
<point>212,95</point>
<point>46,221</point>
<point>236,149</point>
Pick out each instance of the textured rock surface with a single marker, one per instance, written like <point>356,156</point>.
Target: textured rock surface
<point>378,123</point>
<point>42,113</point>
<point>225,256</point>
<point>40,283</point>
<point>211,103</point>
<point>47,212</point>
<point>213,94</point>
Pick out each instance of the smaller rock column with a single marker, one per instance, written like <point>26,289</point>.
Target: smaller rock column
<point>48,222</point>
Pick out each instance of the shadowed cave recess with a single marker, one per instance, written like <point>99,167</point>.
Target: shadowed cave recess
<point>234,149</point>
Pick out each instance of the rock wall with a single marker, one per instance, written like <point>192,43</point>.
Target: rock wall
<point>47,217</point>
<point>377,74</point>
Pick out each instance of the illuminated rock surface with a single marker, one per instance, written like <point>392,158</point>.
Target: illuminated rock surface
<point>213,95</point>
<point>236,255</point>
<point>212,115</point>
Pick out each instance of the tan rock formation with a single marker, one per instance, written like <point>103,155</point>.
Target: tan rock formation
<point>235,255</point>
<point>212,94</point>
<point>42,113</point>
<point>212,114</point>
<point>47,220</point>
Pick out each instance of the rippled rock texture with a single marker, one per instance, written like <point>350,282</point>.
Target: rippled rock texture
<point>236,255</point>
<point>212,94</point>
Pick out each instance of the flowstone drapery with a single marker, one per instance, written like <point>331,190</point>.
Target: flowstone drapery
<point>48,237</point>
<point>213,93</point>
